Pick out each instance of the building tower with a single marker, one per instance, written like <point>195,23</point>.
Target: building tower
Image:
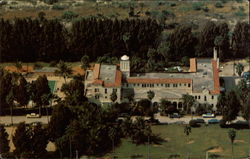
<point>125,66</point>
<point>216,58</point>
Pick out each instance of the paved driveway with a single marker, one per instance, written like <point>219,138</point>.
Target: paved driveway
<point>18,119</point>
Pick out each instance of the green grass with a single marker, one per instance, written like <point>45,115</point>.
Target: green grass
<point>176,143</point>
<point>52,86</point>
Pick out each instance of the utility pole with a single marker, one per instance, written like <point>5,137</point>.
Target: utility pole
<point>70,152</point>
<point>76,154</point>
<point>207,155</point>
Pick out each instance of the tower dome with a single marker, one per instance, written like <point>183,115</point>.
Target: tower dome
<point>124,58</point>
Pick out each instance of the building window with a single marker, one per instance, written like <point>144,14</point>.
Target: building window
<point>199,97</point>
<point>106,90</point>
<point>205,98</point>
<point>212,105</point>
<point>138,84</point>
<point>212,97</point>
<point>175,85</point>
<point>162,85</point>
<point>96,89</point>
<point>157,85</point>
<point>106,97</point>
<point>195,97</point>
<point>97,96</point>
<point>180,84</point>
<point>167,85</point>
<point>185,84</point>
<point>114,89</point>
<point>189,85</point>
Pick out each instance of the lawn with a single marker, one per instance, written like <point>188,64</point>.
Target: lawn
<point>200,140</point>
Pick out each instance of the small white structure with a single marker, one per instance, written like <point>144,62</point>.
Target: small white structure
<point>125,66</point>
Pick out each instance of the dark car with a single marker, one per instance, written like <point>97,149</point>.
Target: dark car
<point>201,121</point>
<point>175,115</point>
<point>213,121</point>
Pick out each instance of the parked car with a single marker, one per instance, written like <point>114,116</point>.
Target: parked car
<point>175,115</point>
<point>199,120</point>
<point>208,115</point>
<point>33,115</point>
<point>213,121</point>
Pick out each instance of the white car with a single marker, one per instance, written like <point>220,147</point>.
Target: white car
<point>33,115</point>
<point>208,115</point>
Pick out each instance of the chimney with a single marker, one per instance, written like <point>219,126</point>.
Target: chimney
<point>216,57</point>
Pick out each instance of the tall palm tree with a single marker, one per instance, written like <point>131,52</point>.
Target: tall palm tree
<point>239,68</point>
<point>187,131</point>
<point>232,135</point>
<point>63,70</point>
<point>188,101</point>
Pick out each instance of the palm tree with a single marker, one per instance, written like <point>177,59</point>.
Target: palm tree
<point>232,135</point>
<point>10,102</point>
<point>18,66</point>
<point>239,68</point>
<point>187,131</point>
<point>188,101</point>
<point>63,70</point>
<point>112,135</point>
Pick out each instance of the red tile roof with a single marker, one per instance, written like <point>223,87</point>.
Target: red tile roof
<point>193,65</point>
<point>23,69</point>
<point>96,71</point>
<point>216,79</point>
<point>164,80</point>
<point>97,81</point>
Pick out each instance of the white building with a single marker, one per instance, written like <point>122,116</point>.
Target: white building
<point>201,81</point>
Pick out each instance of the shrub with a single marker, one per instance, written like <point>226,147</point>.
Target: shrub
<point>240,13</point>
<point>53,63</point>
<point>37,66</point>
<point>197,5</point>
<point>69,15</point>
<point>50,1</point>
<point>205,9</point>
<point>194,124</point>
<point>222,124</point>
<point>58,7</point>
<point>218,5</point>
<point>172,4</point>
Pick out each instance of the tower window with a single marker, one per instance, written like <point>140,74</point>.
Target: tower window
<point>106,90</point>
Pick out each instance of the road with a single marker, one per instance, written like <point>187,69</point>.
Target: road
<point>44,119</point>
<point>18,119</point>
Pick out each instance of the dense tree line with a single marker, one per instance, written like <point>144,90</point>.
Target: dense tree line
<point>45,40</point>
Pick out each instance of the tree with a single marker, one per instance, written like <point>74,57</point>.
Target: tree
<point>39,141</point>
<point>243,90</point>
<point>240,40</point>
<point>239,68</point>
<point>18,66</point>
<point>232,135</point>
<point>150,95</point>
<point>188,102</point>
<point>63,70</point>
<point>74,91</point>
<point>4,146</point>
<point>230,107</point>
<point>21,139</point>
<point>60,119</point>
<point>246,109</point>
<point>42,89</point>
<point>21,93</point>
<point>187,131</point>
<point>113,96</point>
<point>85,62</point>
<point>10,102</point>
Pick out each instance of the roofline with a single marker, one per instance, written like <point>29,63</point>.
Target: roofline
<point>216,79</point>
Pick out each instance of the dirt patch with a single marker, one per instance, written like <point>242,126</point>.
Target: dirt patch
<point>240,141</point>
<point>167,139</point>
<point>155,145</point>
<point>216,149</point>
<point>190,142</point>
